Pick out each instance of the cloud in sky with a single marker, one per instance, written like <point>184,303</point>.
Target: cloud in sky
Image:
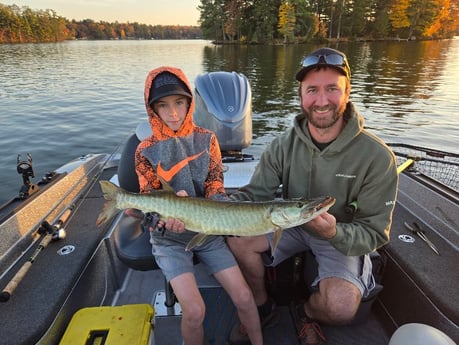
<point>156,12</point>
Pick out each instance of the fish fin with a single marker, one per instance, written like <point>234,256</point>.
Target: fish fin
<point>165,184</point>
<point>110,192</point>
<point>197,240</point>
<point>276,238</point>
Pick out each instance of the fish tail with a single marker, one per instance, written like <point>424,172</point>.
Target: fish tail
<point>110,192</point>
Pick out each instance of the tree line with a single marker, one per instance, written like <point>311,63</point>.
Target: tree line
<point>304,20</point>
<point>22,24</point>
<point>254,21</point>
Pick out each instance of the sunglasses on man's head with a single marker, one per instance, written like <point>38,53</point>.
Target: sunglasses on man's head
<point>330,59</point>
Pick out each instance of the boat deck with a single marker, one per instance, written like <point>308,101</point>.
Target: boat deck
<point>91,275</point>
<point>142,287</point>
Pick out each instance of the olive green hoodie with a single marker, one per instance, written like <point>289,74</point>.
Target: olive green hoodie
<point>356,167</point>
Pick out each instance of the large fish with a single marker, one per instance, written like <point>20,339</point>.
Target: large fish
<point>210,217</point>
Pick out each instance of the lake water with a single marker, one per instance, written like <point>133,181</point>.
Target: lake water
<point>59,101</point>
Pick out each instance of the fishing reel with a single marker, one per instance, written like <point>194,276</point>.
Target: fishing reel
<point>25,168</point>
<point>56,231</point>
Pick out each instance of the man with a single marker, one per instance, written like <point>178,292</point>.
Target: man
<point>326,152</point>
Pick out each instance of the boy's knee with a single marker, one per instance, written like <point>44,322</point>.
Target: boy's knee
<point>194,313</point>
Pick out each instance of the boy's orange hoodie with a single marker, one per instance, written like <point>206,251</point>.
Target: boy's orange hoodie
<point>188,159</point>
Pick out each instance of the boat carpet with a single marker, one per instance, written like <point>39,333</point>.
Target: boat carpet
<point>221,316</point>
<point>39,297</point>
<point>419,285</point>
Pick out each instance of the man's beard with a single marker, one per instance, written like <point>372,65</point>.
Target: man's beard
<point>309,113</point>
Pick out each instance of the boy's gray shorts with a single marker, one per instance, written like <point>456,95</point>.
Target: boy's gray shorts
<point>171,257</point>
<point>331,263</point>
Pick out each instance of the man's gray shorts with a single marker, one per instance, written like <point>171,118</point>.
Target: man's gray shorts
<point>331,262</point>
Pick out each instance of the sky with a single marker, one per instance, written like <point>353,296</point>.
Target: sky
<point>154,12</point>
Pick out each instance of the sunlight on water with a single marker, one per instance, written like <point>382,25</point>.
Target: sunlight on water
<point>60,101</point>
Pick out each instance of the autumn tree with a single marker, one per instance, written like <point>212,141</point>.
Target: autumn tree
<point>232,15</point>
<point>446,20</point>
<point>286,25</point>
<point>398,14</point>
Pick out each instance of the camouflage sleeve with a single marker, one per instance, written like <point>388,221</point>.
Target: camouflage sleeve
<point>214,183</point>
<point>148,179</point>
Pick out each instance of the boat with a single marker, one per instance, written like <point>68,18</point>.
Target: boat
<point>65,281</point>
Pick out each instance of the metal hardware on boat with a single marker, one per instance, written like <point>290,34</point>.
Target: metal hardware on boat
<point>48,177</point>
<point>65,250</point>
<point>406,238</point>
<point>25,168</point>
<point>416,229</point>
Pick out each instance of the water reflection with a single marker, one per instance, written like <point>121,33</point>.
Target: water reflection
<point>62,100</point>
<point>396,85</point>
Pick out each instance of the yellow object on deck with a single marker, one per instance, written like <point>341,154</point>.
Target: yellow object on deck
<point>120,325</point>
<point>405,165</point>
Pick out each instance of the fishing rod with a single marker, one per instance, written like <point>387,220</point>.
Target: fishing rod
<point>48,233</point>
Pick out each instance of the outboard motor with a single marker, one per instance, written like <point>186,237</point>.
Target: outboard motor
<point>224,105</point>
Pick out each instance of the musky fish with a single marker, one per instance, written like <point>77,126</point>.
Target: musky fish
<point>210,217</point>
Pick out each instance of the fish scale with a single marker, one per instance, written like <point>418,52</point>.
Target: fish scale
<point>205,215</point>
<point>212,217</point>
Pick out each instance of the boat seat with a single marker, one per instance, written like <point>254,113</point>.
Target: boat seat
<point>127,177</point>
<point>132,244</point>
<point>132,241</point>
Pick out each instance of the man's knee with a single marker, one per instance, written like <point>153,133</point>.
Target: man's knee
<point>234,243</point>
<point>344,311</point>
<point>340,300</point>
<point>243,246</point>
<point>243,299</point>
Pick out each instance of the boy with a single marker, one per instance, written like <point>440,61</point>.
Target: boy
<point>188,158</point>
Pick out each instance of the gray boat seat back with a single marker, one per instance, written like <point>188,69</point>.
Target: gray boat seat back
<point>127,177</point>
<point>132,240</point>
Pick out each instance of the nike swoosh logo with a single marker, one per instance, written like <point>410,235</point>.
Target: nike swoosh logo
<point>167,175</point>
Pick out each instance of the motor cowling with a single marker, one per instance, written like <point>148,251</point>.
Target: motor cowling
<point>224,105</point>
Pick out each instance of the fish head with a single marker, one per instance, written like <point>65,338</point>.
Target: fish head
<point>290,213</point>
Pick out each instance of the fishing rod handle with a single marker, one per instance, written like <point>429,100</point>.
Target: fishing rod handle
<point>22,272</point>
